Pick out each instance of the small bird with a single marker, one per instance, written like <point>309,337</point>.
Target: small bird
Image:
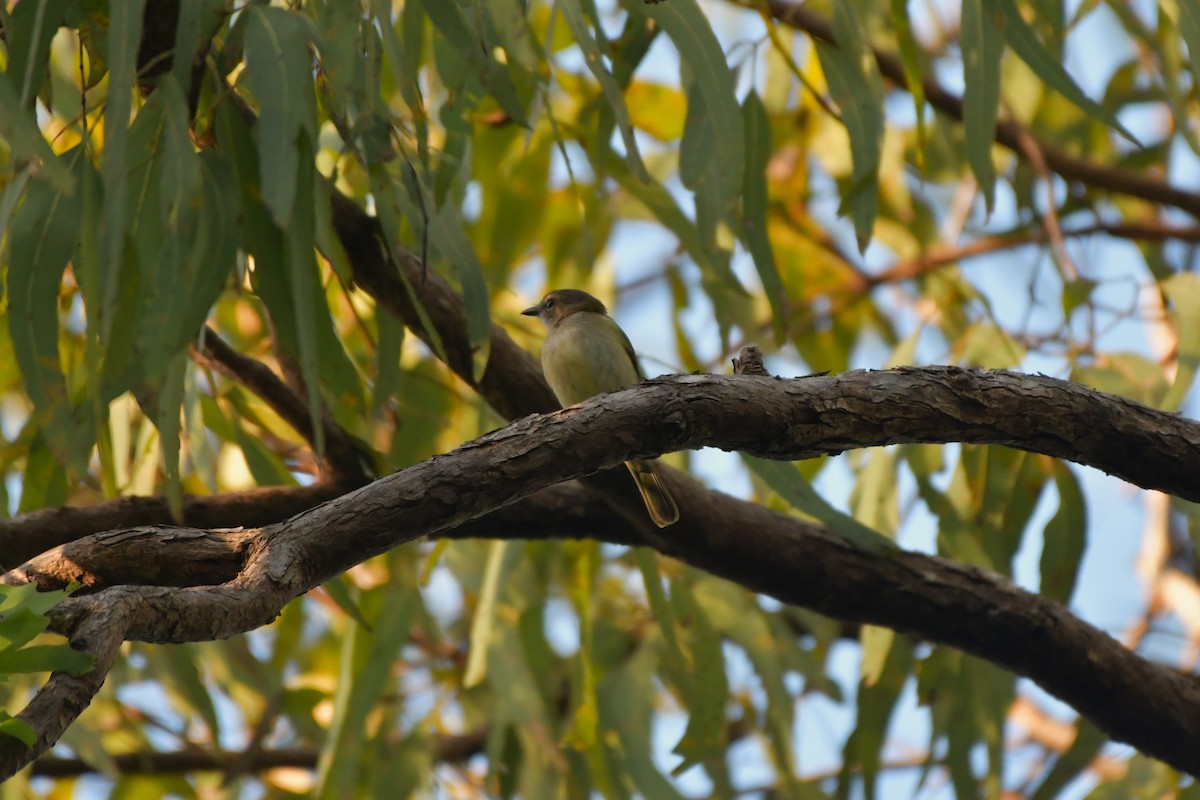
<point>585,354</point>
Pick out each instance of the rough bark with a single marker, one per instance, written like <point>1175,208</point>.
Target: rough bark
<point>1151,707</point>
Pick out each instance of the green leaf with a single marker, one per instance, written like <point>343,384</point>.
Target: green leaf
<point>739,618</point>
<point>44,481</point>
<point>392,207</point>
<point>1076,294</point>
<point>1186,14</point>
<point>700,52</point>
<point>876,644</point>
<point>986,344</point>
<point>28,29</point>
<point>786,481</point>
<point>483,624</point>
<point>626,711</point>
<point>1182,291</point>
<point>968,700</point>
<point>167,421</point>
<point>1025,43</point>
<point>520,44</point>
<point>1089,740</point>
<point>18,729</point>
<point>20,132</point>
<point>17,628</point>
<point>1064,538</point>
<point>46,658</point>
<point>862,751</point>
<point>450,238</point>
<point>264,465</point>
<point>342,591</point>
<point>658,200</point>
<point>854,82</point>
<point>1129,375</point>
<point>755,231</point>
<point>179,668</point>
<point>389,341</point>
<point>914,74</point>
<point>279,70</point>
<point>668,623</point>
<point>369,656</point>
<point>581,587</point>
<point>302,269</point>
<point>184,216</point>
<point>41,240</point>
<point>124,36</point>
<point>27,596</point>
<point>572,11</point>
<point>982,47</point>
<point>709,689</point>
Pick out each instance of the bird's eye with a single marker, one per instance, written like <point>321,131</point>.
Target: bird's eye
<point>550,303</point>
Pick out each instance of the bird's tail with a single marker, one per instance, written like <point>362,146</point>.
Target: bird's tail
<point>659,502</point>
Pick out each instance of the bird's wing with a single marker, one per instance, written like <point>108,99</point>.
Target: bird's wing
<point>628,345</point>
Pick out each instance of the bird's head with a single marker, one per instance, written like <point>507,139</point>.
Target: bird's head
<point>562,303</point>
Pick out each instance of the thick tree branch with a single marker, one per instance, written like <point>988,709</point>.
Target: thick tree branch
<point>1151,707</point>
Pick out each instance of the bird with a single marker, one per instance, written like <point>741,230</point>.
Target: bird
<point>585,354</point>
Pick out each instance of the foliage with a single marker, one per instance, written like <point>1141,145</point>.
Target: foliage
<point>759,167</point>
<point>22,619</point>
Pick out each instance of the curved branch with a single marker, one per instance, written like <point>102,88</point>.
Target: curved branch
<point>1151,707</point>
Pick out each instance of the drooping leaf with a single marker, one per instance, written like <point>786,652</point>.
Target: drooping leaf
<point>572,11</point>
<point>754,209</point>
<point>450,237</point>
<point>41,239</point>
<point>914,73</point>
<point>982,46</point>
<point>1025,43</point>
<point>28,29</point>
<point>689,29</point>
<point>705,732</point>
<point>788,483</point>
<point>863,751</point>
<point>483,625</point>
<point>1064,538</point>
<point>369,657</point>
<point>280,74</point>
<point>856,87</point>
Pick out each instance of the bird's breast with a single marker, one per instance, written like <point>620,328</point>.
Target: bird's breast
<point>586,357</point>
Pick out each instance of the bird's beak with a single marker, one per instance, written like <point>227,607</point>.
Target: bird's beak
<point>532,311</point>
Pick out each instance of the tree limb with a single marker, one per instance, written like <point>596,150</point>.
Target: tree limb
<point>1153,708</point>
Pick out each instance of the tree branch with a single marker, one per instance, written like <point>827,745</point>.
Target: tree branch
<point>1153,708</point>
<point>447,748</point>
<point>24,536</point>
